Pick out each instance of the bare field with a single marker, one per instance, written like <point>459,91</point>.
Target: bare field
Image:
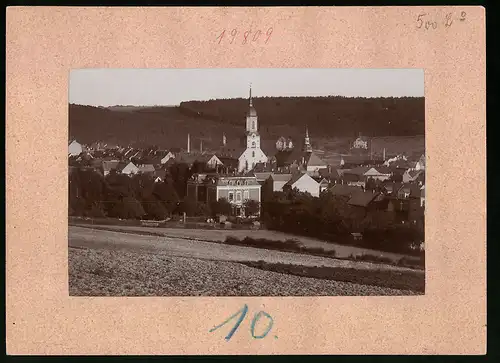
<point>124,273</point>
<point>342,251</point>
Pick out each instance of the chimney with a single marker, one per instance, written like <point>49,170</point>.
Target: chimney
<point>189,145</point>
<point>201,146</point>
<point>224,139</point>
<point>384,154</point>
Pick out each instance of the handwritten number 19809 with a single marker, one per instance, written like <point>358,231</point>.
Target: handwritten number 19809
<point>242,313</point>
<point>245,37</point>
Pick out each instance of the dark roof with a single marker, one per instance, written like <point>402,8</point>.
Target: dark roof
<point>108,165</point>
<point>359,171</point>
<point>160,173</point>
<point>228,162</point>
<point>392,187</point>
<point>294,178</point>
<point>281,177</point>
<point>362,199</point>
<point>344,190</point>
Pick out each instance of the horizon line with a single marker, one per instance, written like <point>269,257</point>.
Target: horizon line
<point>235,98</point>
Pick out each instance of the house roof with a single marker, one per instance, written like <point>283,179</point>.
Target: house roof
<point>400,164</point>
<point>228,162</point>
<point>108,165</point>
<point>392,187</point>
<point>311,159</point>
<point>184,157</point>
<point>324,181</point>
<point>359,170</point>
<point>146,168</point>
<point>281,177</point>
<point>344,189</point>
<point>234,180</point>
<point>414,173</point>
<point>382,169</point>
<point>361,198</point>
<point>263,176</point>
<point>412,188</point>
<point>295,177</point>
<point>160,173</point>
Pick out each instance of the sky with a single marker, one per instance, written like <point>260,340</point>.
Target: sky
<point>168,87</point>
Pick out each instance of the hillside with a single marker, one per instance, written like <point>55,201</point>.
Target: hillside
<point>287,116</point>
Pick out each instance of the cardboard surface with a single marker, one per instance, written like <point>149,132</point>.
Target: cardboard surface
<point>45,43</point>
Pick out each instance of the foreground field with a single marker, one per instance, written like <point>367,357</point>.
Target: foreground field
<point>124,264</point>
<point>102,272</point>
<point>342,251</point>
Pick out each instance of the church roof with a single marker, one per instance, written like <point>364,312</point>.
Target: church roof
<point>252,112</point>
<point>311,159</point>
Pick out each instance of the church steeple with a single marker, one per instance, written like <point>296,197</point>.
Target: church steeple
<point>307,143</point>
<point>250,98</point>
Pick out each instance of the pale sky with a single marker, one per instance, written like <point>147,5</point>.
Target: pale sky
<point>149,87</point>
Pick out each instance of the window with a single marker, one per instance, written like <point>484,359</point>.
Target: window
<point>238,196</point>
<point>253,154</point>
<point>231,196</point>
<point>253,125</point>
<point>253,143</point>
<point>246,195</point>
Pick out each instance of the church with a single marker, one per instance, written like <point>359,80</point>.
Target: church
<point>248,151</point>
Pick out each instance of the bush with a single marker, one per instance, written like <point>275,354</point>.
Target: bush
<point>371,258</point>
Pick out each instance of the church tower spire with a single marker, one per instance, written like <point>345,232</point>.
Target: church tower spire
<point>307,143</point>
<point>250,98</point>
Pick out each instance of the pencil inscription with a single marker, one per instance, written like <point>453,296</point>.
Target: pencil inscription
<point>427,22</point>
<point>235,36</point>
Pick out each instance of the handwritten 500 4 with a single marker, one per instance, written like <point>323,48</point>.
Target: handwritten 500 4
<point>249,36</point>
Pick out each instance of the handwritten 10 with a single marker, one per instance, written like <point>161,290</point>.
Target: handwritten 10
<point>246,37</point>
<point>243,312</point>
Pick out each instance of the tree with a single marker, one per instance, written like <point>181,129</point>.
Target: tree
<point>166,193</point>
<point>252,207</point>
<point>202,209</point>
<point>188,206</point>
<point>127,208</point>
<point>154,209</point>
<point>221,207</point>
<point>142,186</point>
<point>180,175</point>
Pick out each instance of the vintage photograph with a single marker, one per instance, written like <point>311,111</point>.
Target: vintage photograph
<point>246,182</point>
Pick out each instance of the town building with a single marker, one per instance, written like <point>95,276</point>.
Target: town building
<point>304,183</point>
<point>237,190</point>
<point>361,142</point>
<point>75,148</point>
<point>305,160</point>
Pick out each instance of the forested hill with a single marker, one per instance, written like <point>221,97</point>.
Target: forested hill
<point>287,116</point>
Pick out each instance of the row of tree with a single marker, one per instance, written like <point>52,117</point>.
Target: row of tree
<point>330,217</point>
<point>207,120</point>
<point>132,197</point>
<point>334,115</point>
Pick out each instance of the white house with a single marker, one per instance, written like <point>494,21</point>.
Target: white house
<point>130,169</point>
<point>214,161</point>
<point>278,181</point>
<point>75,148</point>
<point>304,183</point>
<point>378,173</point>
<point>167,157</point>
